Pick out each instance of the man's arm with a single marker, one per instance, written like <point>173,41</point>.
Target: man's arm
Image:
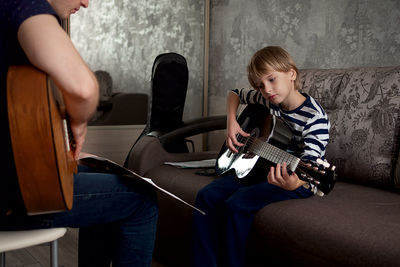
<point>50,49</point>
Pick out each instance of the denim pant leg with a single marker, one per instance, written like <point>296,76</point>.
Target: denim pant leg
<point>241,208</point>
<point>206,229</point>
<point>125,209</point>
<point>129,219</point>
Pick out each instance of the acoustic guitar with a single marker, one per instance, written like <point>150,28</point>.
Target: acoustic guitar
<point>41,140</point>
<point>266,146</point>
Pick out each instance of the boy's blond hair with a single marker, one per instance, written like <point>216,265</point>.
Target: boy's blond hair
<point>271,58</point>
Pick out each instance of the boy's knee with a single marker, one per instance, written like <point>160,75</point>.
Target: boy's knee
<point>234,205</point>
<point>208,198</point>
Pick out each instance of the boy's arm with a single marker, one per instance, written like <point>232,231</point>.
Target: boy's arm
<point>50,49</point>
<point>316,138</point>
<point>232,106</point>
<point>250,96</point>
<point>236,97</point>
<point>233,127</point>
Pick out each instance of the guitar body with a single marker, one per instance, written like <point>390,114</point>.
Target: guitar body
<point>259,123</point>
<point>39,136</point>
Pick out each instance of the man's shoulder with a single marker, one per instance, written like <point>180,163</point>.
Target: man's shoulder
<point>14,13</point>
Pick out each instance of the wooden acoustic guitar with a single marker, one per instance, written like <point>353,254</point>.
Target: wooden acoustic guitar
<point>266,146</point>
<point>41,139</point>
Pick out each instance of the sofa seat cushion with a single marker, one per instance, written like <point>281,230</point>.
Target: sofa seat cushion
<point>175,218</point>
<point>352,226</point>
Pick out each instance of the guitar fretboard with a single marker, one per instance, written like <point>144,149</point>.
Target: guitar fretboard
<point>273,154</point>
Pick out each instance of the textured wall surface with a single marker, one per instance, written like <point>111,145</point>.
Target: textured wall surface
<point>123,37</point>
<point>317,33</point>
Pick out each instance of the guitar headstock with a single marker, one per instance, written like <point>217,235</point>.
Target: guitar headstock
<point>322,175</point>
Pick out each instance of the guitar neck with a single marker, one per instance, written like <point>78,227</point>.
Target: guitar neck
<point>273,154</point>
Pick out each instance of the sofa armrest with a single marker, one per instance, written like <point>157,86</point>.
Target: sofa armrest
<point>191,128</point>
<point>148,152</point>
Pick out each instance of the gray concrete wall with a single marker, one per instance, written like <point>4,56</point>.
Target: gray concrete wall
<point>124,36</point>
<point>317,33</point>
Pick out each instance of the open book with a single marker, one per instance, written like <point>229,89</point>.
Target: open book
<point>105,165</point>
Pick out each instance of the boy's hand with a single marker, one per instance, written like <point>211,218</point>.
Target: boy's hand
<point>279,176</point>
<point>234,130</point>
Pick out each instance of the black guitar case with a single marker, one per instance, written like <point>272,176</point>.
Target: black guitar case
<point>169,81</point>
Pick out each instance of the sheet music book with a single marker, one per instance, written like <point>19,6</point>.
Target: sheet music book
<point>105,165</point>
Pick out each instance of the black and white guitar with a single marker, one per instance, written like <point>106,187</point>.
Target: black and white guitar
<point>266,145</point>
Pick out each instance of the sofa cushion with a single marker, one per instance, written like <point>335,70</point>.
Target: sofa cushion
<point>175,218</point>
<point>396,174</point>
<point>322,84</point>
<point>364,118</point>
<point>352,226</point>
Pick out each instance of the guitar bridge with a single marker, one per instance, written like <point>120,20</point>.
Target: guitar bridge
<point>66,138</point>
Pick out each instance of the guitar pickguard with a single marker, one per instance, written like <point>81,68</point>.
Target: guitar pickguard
<point>257,121</point>
<point>243,161</point>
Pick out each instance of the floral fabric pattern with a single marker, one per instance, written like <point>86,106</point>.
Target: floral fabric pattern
<point>363,105</point>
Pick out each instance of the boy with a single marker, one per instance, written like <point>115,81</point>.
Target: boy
<point>230,205</point>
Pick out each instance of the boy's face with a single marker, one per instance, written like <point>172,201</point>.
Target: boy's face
<point>64,8</point>
<point>277,87</point>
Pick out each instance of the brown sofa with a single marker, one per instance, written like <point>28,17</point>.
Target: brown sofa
<point>357,224</point>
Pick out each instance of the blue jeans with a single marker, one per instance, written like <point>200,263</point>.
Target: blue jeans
<point>117,217</point>
<point>219,238</point>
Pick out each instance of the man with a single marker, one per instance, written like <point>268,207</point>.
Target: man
<point>117,218</point>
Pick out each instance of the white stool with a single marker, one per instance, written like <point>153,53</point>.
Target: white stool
<point>13,240</point>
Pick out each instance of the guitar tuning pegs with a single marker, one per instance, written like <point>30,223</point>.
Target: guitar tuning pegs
<point>323,163</point>
<point>320,193</point>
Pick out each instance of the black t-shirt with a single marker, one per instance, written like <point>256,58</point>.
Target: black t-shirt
<point>12,15</point>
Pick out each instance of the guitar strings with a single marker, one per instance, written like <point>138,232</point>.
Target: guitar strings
<point>270,152</point>
<point>276,155</point>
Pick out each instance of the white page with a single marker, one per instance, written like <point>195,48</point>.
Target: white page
<point>110,166</point>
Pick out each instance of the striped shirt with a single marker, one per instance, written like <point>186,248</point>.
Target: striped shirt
<point>309,123</point>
